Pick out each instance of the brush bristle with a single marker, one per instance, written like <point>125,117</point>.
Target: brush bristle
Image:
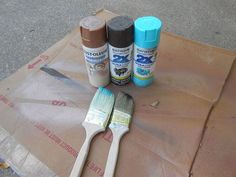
<point>103,100</point>
<point>101,107</point>
<point>123,110</point>
<point>124,103</point>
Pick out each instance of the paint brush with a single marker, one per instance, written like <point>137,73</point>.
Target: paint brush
<point>96,121</point>
<point>119,125</point>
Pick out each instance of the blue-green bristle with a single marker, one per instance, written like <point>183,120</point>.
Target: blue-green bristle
<point>103,100</point>
<point>105,91</point>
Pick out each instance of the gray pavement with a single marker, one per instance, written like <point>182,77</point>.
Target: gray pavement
<point>28,27</point>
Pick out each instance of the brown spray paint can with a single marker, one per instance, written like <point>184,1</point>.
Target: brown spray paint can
<point>94,42</point>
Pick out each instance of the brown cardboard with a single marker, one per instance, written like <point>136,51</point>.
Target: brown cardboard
<point>42,114</point>
<point>217,155</point>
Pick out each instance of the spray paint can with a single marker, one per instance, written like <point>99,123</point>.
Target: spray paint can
<point>94,43</point>
<point>146,38</point>
<point>120,32</point>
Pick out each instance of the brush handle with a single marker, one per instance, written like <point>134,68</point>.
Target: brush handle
<point>80,160</point>
<point>114,151</point>
<point>91,131</point>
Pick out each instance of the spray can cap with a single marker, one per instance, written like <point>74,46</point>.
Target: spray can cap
<point>120,31</point>
<point>93,31</point>
<point>147,31</point>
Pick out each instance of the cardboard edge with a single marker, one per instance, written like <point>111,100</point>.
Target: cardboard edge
<point>223,50</point>
<point>23,71</point>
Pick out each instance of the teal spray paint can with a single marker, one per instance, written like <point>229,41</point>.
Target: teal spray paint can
<point>146,40</point>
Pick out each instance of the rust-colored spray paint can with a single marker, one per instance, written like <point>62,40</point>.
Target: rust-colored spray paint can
<point>94,42</point>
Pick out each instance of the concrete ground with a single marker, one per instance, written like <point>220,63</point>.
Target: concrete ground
<point>29,27</point>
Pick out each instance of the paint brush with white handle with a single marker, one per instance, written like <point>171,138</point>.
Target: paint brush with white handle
<point>96,121</point>
<point>119,125</point>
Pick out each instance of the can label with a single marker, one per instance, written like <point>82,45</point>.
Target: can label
<point>144,62</point>
<point>121,64</point>
<point>97,64</point>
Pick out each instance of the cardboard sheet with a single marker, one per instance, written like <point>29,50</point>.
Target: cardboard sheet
<point>43,104</point>
<point>217,155</point>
